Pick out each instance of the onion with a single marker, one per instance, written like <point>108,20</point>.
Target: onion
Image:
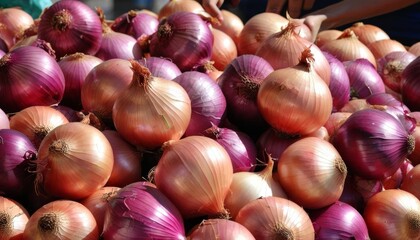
<point>29,76</point>
<point>224,49</point>
<point>75,68</point>
<point>284,49</point>
<point>368,33</point>
<point>135,23</point>
<point>338,221</point>
<point>140,210</point>
<point>391,66</point>
<point>295,100</point>
<point>347,47</point>
<point>16,152</point>
<point>339,82</point>
<point>381,48</point>
<point>208,104</point>
<point>410,85</point>
<point>363,77</point>
<point>410,181</point>
<point>334,122</point>
<point>98,203</point>
<point>36,122</point>
<point>232,25</point>
<point>327,35</point>
<point>276,218</point>
<point>312,173</point>
<point>161,67</point>
<point>61,219</point>
<point>373,143</point>
<point>415,155</point>
<point>4,120</point>
<point>220,229</point>
<point>13,219</point>
<point>74,160</point>
<point>395,181</point>
<point>127,161</point>
<point>185,38</point>
<point>240,147</point>
<point>173,6</point>
<point>355,104</point>
<point>240,82</point>
<point>13,21</point>
<point>248,186</point>
<point>151,110</point>
<point>393,214</point>
<point>103,84</point>
<point>203,172</point>
<point>415,49</point>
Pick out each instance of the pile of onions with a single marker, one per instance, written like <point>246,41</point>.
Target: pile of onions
<point>217,228</point>
<point>13,22</point>
<point>224,49</point>
<point>373,143</point>
<point>393,214</point>
<point>62,219</point>
<point>185,38</point>
<point>248,186</point>
<point>29,76</point>
<point>70,27</point>
<point>338,221</point>
<point>4,120</point>
<point>75,68</point>
<point>173,6</point>
<point>141,210</point>
<point>161,67</point>
<point>410,85</point>
<point>151,110</point>
<point>203,172</point>
<point>74,160</point>
<point>232,25</point>
<point>295,100</point>
<point>276,218</point>
<point>135,23</point>
<point>37,121</point>
<point>368,33</point>
<point>208,104</point>
<point>103,84</point>
<point>13,219</point>
<point>240,147</point>
<point>284,49</point>
<point>312,172</point>
<point>16,152</point>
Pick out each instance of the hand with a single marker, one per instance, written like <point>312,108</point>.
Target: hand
<point>213,7</point>
<point>294,7</point>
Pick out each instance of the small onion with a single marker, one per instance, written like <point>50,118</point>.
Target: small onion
<point>13,21</point>
<point>185,38</point>
<point>276,218</point>
<point>203,172</point>
<point>221,229</point>
<point>62,219</point>
<point>367,33</point>
<point>161,67</point>
<point>29,76</point>
<point>410,85</point>
<point>141,211</point>
<point>13,219</point>
<point>173,6</point>
<point>373,143</point>
<point>312,172</point>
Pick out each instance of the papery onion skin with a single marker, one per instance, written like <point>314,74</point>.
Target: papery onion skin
<point>222,229</point>
<point>393,214</point>
<point>381,48</point>
<point>367,33</point>
<point>312,173</point>
<point>62,219</point>
<point>275,217</point>
<point>13,219</point>
<point>373,143</point>
<point>141,211</point>
<point>185,38</point>
<point>29,76</point>
<point>338,221</point>
<point>203,172</point>
<point>151,110</point>
<point>70,27</point>
<point>410,85</point>
<point>76,154</point>
<point>327,35</point>
<point>173,6</point>
<point>161,67</point>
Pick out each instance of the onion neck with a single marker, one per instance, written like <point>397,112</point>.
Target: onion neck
<point>141,75</point>
<point>267,172</point>
<point>347,33</point>
<point>307,59</point>
<point>413,224</point>
<point>40,133</point>
<point>282,232</point>
<point>165,30</point>
<point>61,20</point>
<point>411,144</point>
<point>4,60</point>
<point>288,31</point>
<point>48,223</point>
<point>5,224</point>
<point>341,166</point>
<point>58,146</point>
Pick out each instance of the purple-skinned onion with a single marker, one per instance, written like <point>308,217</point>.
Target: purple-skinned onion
<point>161,67</point>
<point>410,85</point>
<point>135,23</point>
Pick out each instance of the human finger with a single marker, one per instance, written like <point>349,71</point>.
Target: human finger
<point>275,6</point>
<point>308,4</point>
<point>212,7</point>
<point>294,8</point>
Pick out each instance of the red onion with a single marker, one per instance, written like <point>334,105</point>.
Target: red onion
<point>16,151</point>
<point>161,67</point>
<point>339,82</point>
<point>70,27</point>
<point>135,23</point>
<point>240,147</point>
<point>75,68</point>
<point>141,210</point>
<point>391,66</point>
<point>385,99</point>
<point>183,37</point>
<point>364,79</point>
<point>4,120</point>
<point>208,103</point>
<point>29,76</point>
<point>410,88</point>
<point>373,143</point>
<point>240,82</point>
<point>338,221</point>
